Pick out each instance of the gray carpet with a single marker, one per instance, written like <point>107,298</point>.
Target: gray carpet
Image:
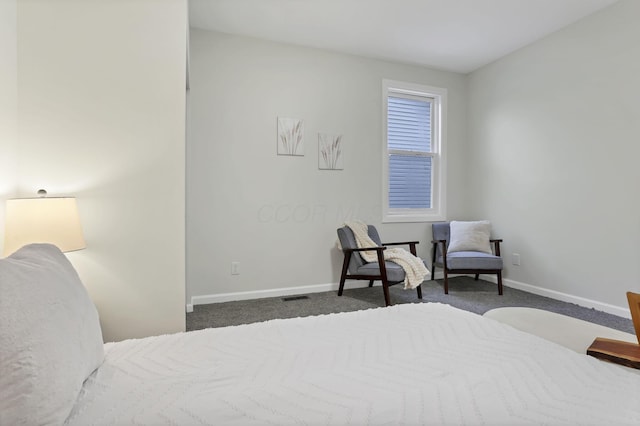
<point>464,293</point>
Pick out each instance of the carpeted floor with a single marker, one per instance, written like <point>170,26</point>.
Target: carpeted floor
<point>464,293</point>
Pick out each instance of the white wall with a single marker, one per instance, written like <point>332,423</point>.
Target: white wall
<point>101,117</point>
<point>553,145</point>
<point>278,215</point>
<point>8,102</point>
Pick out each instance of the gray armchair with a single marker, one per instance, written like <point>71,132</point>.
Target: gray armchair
<point>355,268</point>
<point>463,262</point>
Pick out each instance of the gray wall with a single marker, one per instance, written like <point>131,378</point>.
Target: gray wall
<point>541,142</point>
<point>8,101</point>
<point>553,147</point>
<point>278,215</point>
<point>101,116</point>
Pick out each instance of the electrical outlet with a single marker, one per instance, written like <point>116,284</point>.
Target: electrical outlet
<point>235,268</point>
<point>515,259</point>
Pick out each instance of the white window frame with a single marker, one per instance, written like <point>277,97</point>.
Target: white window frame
<point>437,211</point>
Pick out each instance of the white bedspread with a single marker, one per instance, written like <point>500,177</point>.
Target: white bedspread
<point>407,364</point>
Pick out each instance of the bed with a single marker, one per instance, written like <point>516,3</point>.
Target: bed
<point>424,363</point>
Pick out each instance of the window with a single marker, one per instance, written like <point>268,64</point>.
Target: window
<point>413,152</point>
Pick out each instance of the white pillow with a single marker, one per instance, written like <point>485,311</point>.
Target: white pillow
<point>50,336</point>
<point>470,236</point>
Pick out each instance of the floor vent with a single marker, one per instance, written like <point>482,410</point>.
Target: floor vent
<point>289,299</point>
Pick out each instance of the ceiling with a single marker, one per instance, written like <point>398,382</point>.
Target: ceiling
<point>453,35</point>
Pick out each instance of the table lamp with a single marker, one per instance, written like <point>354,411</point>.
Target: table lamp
<point>52,220</point>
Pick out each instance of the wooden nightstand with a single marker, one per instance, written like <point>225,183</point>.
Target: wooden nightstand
<point>624,353</point>
<point>619,352</point>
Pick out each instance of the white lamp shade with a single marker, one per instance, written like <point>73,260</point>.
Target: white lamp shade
<point>42,220</point>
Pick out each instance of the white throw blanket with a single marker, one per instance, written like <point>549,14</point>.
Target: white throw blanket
<point>415,271</point>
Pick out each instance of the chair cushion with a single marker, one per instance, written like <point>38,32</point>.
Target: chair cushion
<point>440,231</point>
<point>395,273</point>
<point>373,234</point>
<point>348,240</point>
<point>472,260</point>
<point>470,236</point>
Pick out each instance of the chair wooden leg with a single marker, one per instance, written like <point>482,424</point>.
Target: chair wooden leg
<point>383,278</point>
<point>446,282</point>
<point>500,283</point>
<point>433,263</point>
<point>370,283</point>
<point>385,289</point>
<point>345,268</point>
<point>477,276</point>
<point>420,291</point>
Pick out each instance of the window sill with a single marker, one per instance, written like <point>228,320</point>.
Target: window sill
<point>412,217</point>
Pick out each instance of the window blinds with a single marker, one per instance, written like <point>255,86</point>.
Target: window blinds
<point>409,149</point>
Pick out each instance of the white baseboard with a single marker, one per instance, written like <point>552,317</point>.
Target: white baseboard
<point>318,288</point>
<point>564,297</point>
<point>276,292</point>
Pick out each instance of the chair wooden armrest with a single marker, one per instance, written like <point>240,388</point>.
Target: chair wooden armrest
<point>351,250</point>
<point>411,244</point>
<point>405,243</point>
<point>496,243</point>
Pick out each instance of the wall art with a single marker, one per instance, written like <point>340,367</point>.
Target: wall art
<point>329,152</point>
<point>290,136</point>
